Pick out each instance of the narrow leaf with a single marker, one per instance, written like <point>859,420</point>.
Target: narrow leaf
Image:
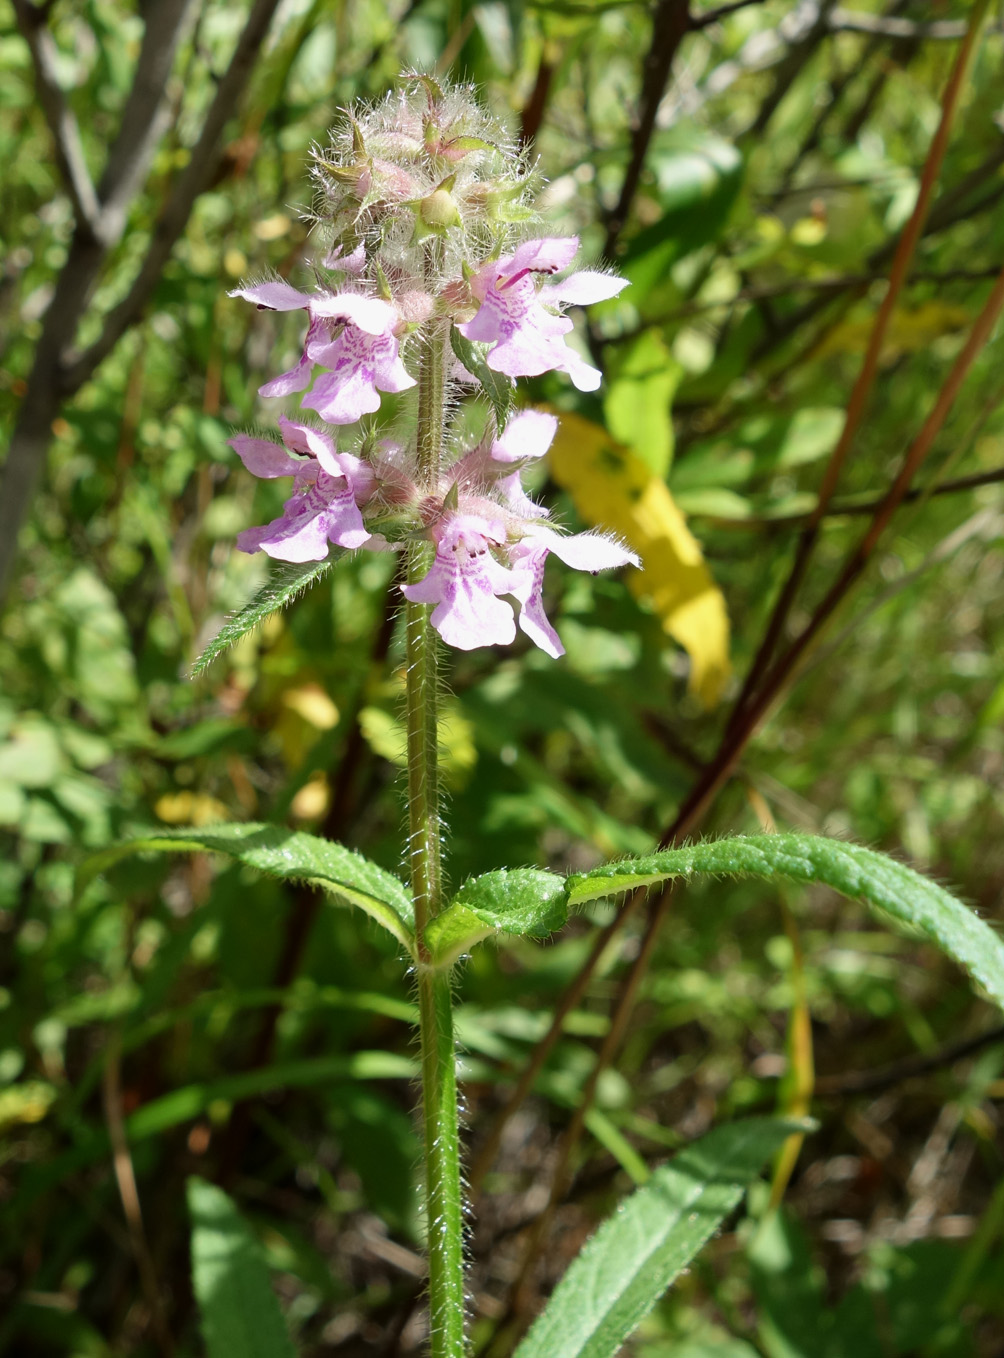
<point>290,855</point>
<point>623,1270</point>
<point>498,388</point>
<point>287,582</point>
<point>524,901</point>
<point>856,872</point>
<point>240,1313</point>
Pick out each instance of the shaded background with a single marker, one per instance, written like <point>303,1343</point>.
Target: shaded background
<point>749,170</point>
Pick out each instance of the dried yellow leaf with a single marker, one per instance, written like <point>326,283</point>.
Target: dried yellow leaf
<point>611,487</point>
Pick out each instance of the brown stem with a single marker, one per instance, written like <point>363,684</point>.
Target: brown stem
<point>869,368</point>
<point>670,25</point>
<point>125,1177</point>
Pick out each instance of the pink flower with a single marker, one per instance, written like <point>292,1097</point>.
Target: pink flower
<point>525,438</point>
<point>583,552</point>
<point>521,320</point>
<point>328,488</point>
<point>363,355</point>
<point>464,582</point>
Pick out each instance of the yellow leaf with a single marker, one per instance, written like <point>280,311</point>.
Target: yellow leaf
<point>27,1102</point>
<point>312,703</point>
<point>612,488</point>
<point>312,800</point>
<point>189,808</point>
<point>911,329</point>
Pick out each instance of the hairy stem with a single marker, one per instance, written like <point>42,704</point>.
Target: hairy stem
<point>444,1208</point>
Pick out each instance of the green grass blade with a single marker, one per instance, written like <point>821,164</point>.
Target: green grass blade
<point>890,887</point>
<point>286,583</point>
<point>623,1270</point>
<point>289,854</point>
<point>240,1313</point>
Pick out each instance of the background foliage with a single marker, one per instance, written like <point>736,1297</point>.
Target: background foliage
<point>187,1019</point>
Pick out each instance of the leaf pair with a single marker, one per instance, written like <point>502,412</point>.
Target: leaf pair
<point>532,903</point>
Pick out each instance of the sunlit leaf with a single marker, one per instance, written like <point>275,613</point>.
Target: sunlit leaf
<point>524,901</point>
<point>240,1312</point>
<point>612,488</point>
<point>639,395</point>
<point>497,387</point>
<point>862,874</point>
<point>289,854</point>
<point>621,1272</point>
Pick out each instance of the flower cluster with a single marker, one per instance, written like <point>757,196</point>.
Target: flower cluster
<point>431,278</point>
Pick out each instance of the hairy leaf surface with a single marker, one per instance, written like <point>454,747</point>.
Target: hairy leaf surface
<point>525,901</point>
<point>497,387</point>
<point>623,1270</point>
<point>287,582</point>
<point>291,855</point>
<point>859,873</point>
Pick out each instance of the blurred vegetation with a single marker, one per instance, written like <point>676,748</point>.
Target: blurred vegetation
<point>784,160</point>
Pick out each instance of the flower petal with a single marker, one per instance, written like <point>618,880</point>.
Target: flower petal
<point>546,255</point>
<point>263,458</point>
<point>583,288</point>
<point>274,295</point>
<point>370,314</point>
<point>585,551</point>
<point>527,435</point>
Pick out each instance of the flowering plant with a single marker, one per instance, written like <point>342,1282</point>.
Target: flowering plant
<point>436,279</point>
<point>432,281</point>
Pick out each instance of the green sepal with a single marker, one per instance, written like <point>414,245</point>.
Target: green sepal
<point>527,902</point>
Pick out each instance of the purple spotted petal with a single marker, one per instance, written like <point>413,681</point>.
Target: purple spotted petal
<point>320,514</point>
<point>464,582</point>
<point>582,551</point>
<point>361,366</point>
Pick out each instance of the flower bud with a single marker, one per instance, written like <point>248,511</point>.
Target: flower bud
<point>439,210</point>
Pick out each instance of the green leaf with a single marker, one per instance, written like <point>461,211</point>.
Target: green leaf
<point>287,582</point>
<point>698,177</point>
<point>498,388</point>
<point>290,855</point>
<point>623,1270</point>
<point>856,872</point>
<point>526,901</point>
<point>240,1312</point>
<point>639,398</point>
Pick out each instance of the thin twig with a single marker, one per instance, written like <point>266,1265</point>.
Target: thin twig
<point>887,26</point>
<point>187,187</point>
<point>919,1063</point>
<point>869,368</point>
<point>59,116</point>
<point>670,24</point>
<point>714,16</point>
<point>125,1177</point>
<point>147,114</point>
<point>853,508</point>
